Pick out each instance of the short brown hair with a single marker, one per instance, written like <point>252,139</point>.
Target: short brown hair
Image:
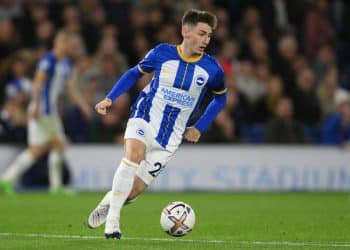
<point>194,16</point>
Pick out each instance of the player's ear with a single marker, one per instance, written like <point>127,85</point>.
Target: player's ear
<point>185,30</point>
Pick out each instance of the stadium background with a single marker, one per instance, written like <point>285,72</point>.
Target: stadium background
<point>285,62</point>
<point>297,49</point>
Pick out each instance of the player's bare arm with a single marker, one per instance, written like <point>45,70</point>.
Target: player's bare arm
<point>39,80</point>
<point>78,99</point>
<point>126,81</point>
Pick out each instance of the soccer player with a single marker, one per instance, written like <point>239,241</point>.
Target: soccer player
<point>160,116</point>
<point>45,131</point>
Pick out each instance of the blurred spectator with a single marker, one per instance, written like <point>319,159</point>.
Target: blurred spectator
<point>263,74</point>
<point>283,128</point>
<point>300,63</point>
<point>238,109</point>
<point>9,43</point>
<point>44,33</point>
<point>318,29</point>
<point>256,43</point>
<point>85,76</point>
<point>140,48</point>
<point>71,19</point>
<point>108,47</point>
<point>110,128</point>
<point>248,84</point>
<point>19,89</point>
<point>222,32</point>
<point>34,13</point>
<point>77,48</point>
<point>327,92</point>
<point>222,130</point>
<point>324,60</point>
<point>250,21</point>
<point>13,123</point>
<point>260,51</point>
<point>70,14</point>
<point>280,16</point>
<point>108,73</point>
<point>10,9</point>
<point>307,109</point>
<point>336,129</point>
<point>155,20</point>
<point>264,108</point>
<point>93,28</point>
<point>228,57</point>
<point>283,65</point>
<point>168,33</point>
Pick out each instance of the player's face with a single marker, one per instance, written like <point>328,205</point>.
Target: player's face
<point>197,37</point>
<point>62,42</point>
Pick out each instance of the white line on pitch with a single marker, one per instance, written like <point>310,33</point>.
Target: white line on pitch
<point>261,243</point>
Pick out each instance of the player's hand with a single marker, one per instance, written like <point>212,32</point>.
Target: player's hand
<point>192,134</point>
<point>34,112</point>
<point>102,106</point>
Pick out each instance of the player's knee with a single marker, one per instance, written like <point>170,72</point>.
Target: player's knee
<point>135,150</point>
<point>135,155</point>
<point>37,152</point>
<point>58,145</point>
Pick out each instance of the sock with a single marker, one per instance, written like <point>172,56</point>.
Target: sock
<point>24,161</point>
<point>106,199</point>
<point>55,169</point>
<point>122,184</point>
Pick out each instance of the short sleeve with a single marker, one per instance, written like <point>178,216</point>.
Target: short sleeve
<point>45,65</point>
<point>147,64</point>
<point>217,85</point>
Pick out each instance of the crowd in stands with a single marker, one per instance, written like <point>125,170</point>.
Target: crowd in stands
<point>286,64</point>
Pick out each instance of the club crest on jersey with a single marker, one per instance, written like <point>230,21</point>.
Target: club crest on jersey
<point>140,132</point>
<point>199,80</point>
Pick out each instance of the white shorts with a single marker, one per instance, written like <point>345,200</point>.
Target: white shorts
<point>156,156</point>
<point>43,130</point>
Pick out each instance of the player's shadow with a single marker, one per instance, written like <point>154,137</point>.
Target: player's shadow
<point>36,177</point>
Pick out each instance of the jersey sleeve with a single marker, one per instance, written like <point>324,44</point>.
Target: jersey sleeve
<point>45,65</point>
<point>217,85</point>
<point>147,64</point>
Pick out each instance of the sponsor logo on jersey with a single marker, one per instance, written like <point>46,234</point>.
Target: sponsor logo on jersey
<point>177,97</point>
<point>140,132</point>
<point>199,80</point>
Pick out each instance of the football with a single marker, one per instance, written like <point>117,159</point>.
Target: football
<point>177,219</point>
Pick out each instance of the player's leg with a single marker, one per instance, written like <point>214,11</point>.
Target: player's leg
<point>148,170</point>
<point>98,216</point>
<point>155,160</point>
<point>138,187</point>
<point>122,184</point>
<point>24,161</point>
<point>56,157</point>
<point>37,140</point>
<point>55,165</point>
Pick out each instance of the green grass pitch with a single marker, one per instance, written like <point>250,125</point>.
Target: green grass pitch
<point>223,221</point>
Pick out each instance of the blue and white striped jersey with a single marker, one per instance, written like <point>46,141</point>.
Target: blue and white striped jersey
<point>57,73</point>
<point>175,91</point>
<point>21,85</point>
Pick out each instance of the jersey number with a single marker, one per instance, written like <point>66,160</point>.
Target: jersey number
<point>156,172</point>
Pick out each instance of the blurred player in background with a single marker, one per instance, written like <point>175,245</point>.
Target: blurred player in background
<point>160,116</point>
<point>45,130</point>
